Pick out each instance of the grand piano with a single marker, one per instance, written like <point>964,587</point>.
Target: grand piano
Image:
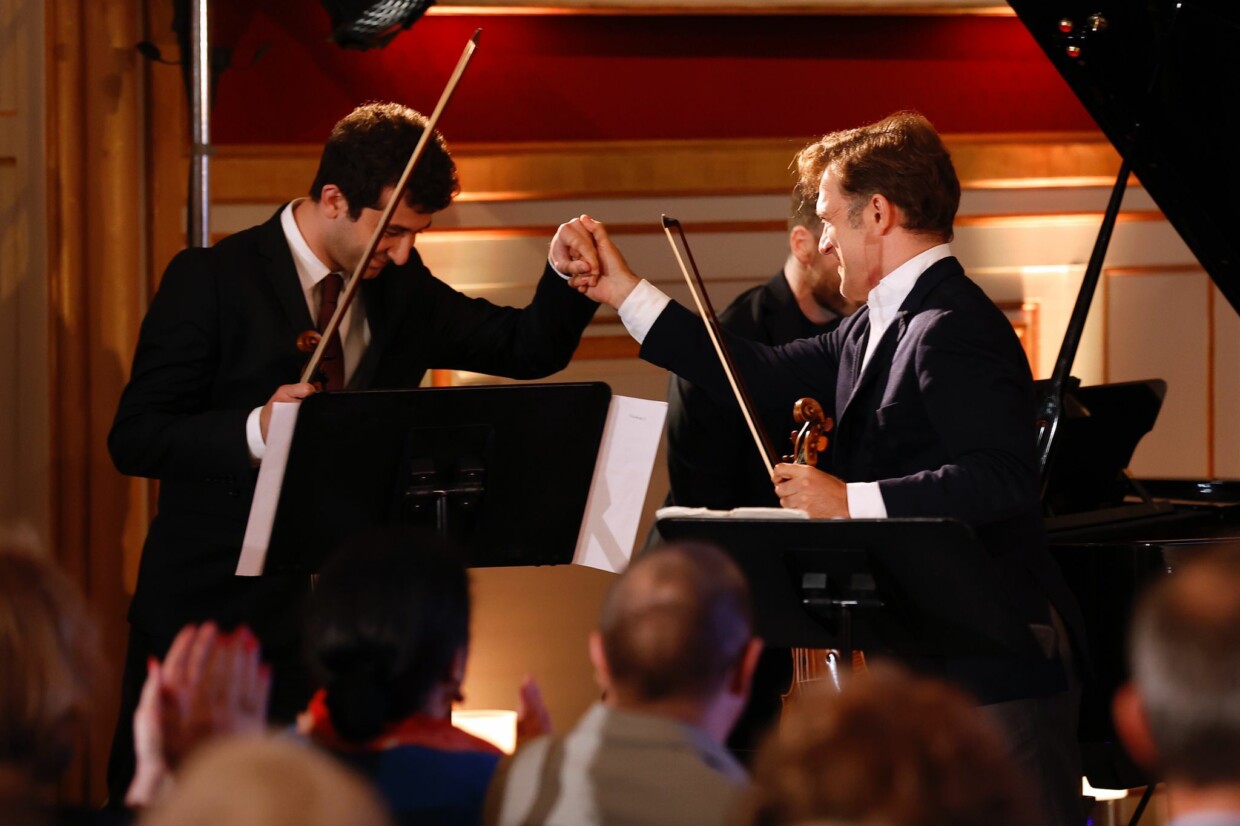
<point>1162,79</point>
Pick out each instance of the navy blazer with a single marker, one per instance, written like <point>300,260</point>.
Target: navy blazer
<point>219,337</point>
<point>942,418</point>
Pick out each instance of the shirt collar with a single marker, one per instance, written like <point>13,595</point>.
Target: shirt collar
<point>310,270</point>
<point>887,296</point>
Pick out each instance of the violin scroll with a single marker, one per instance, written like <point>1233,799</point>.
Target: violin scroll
<point>811,439</point>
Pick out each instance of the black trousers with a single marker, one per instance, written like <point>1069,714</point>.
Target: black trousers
<point>291,688</point>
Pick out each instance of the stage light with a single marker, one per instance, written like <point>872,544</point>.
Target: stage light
<point>367,24</point>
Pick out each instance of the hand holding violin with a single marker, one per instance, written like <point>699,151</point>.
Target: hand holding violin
<point>819,494</point>
<point>284,393</point>
<point>582,250</point>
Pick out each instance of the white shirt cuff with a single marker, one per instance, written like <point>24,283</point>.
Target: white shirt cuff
<point>551,264</point>
<point>642,308</point>
<point>865,501</point>
<point>254,437</point>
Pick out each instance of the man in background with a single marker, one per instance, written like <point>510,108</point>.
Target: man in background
<point>674,654</point>
<point>711,458</point>
<point>1179,716</point>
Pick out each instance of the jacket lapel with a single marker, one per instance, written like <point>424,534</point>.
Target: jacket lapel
<point>387,299</point>
<point>281,274</point>
<point>858,387</point>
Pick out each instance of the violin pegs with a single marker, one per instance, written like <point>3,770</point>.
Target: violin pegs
<point>307,341</point>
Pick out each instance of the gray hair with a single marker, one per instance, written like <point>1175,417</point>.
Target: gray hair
<point>1185,655</point>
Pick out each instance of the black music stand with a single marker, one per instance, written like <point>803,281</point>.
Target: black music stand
<point>502,471</point>
<point>908,587</point>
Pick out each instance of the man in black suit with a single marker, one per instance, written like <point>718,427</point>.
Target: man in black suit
<point>218,347</point>
<point>711,458</point>
<point>932,398</point>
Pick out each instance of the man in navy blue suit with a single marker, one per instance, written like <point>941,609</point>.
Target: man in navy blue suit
<point>932,397</point>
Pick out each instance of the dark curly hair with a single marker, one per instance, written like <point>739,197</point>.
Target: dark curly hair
<point>367,151</point>
<point>389,613</point>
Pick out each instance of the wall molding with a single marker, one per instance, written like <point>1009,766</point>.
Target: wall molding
<point>250,173</point>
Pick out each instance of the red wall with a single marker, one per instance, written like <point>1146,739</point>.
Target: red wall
<point>619,77</point>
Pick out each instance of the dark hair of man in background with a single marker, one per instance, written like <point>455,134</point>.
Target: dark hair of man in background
<point>388,615</point>
<point>367,151</point>
<point>676,623</point>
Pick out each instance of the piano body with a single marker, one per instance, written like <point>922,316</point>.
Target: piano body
<point>1162,79</point>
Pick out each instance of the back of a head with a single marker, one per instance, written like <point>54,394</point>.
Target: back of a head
<point>675,624</point>
<point>802,211</point>
<point>890,749</point>
<point>900,157</point>
<point>262,781</point>
<point>389,614</point>
<point>1185,654</point>
<point>49,661</point>
<point>367,151</point>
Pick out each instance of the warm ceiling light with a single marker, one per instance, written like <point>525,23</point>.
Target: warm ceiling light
<point>367,24</point>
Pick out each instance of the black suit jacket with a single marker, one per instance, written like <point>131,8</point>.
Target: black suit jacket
<point>711,458</point>
<point>941,418</point>
<point>219,337</point>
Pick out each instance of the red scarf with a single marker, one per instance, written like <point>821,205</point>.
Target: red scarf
<point>415,730</point>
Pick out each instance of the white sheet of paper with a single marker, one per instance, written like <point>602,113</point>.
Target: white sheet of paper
<point>682,512</point>
<point>621,476</point>
<point>267,490</point>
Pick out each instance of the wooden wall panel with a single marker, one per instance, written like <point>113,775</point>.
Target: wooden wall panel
<point>1226,363</point>
<point>1158,327</point>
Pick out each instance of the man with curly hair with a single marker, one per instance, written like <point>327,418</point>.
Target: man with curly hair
<point>218,347</point>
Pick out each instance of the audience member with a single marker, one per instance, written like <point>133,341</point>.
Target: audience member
<point>387,639</point>
<point>890,749</point>
<point>255,781</point>
<point>674,654</point>
<point>49,663</point>
<point>1180,714</point>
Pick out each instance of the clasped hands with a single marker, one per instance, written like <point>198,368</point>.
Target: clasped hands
<point>595,267</point>
<point>210,684</point>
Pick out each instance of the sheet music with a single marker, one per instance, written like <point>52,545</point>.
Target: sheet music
<point>682,512</point>
<point>267,490</point>
<point>621,477</point>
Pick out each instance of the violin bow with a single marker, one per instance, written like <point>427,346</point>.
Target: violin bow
<point>355,281</point>
<point>698,290</point>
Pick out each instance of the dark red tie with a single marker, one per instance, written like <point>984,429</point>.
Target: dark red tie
<point>332,365</point>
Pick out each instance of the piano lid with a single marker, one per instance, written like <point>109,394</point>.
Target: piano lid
<point>1181,129</point>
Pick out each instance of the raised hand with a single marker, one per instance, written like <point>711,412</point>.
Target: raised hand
<point>533,718</point>
<point>209,684</point>
<point>599,270</point>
